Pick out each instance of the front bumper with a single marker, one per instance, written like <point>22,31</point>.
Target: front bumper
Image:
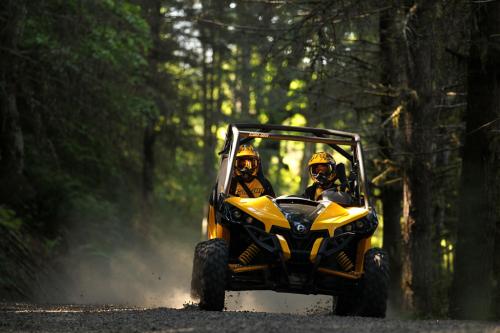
<point>299,265</point>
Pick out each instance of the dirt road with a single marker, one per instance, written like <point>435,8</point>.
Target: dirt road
<point>78,318</point>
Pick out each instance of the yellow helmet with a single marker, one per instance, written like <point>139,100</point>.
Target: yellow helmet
<point>321,167</point>
<point>247,161</point>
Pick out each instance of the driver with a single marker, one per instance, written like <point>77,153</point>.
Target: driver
<point>322,168</point>
<point>248,180</point>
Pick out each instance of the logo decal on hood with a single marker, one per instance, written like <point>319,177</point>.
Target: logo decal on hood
<point>300,228</point>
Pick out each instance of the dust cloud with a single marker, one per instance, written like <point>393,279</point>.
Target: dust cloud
<point>158,275</point>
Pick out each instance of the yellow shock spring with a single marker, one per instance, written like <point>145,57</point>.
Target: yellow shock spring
<point>345,262</point>
<point>247,256</point>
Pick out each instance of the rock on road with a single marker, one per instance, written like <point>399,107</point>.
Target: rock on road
<point>108,318</point>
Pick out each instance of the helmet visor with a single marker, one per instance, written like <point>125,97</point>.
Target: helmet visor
<point>322,168</point>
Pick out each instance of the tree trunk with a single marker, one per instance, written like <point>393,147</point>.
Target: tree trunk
<point>207,101</point>
<point>11,135</point>
<point>391,197</point>
<point>245,47</point>
<point>418,260</point>
<point>392,78</point>
<point>148,167</point>
<point>245,79</point>
<point>207,96</point>
<point>153,16</point>
<point>304,174</point>
<point>472,285</point>
<point>496,256</point>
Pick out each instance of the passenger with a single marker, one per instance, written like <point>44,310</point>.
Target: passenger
<point>248,180</point>
<point>322,170</point>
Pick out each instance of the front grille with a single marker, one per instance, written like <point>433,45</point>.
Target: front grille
<point>300,245</point>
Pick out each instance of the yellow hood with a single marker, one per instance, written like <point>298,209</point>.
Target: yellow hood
<point>266,211</point>
<point>261,208</point>
<point>334,216</point>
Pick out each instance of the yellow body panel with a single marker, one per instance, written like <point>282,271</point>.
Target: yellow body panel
<point>284,247</point>
<point>334,216</point>
<point>263,209</point>
<point>215,230</point>
<point>211,226</point>
<point>363,246</point>
<point>351,275</point>
<point>223,232</point>
<point>237,268</point>
<point>315,249</point>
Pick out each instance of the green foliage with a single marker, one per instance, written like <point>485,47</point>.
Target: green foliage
<point>9,220</point>
<point>83,104</point>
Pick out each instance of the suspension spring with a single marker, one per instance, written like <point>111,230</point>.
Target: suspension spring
<point>249,254</point>
<point>345,262</point>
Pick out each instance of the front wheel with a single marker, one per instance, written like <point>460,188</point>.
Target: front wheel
<point>209,274</point>
<point>346,305</point>
<point>369,298</point>
<point>375,283</point>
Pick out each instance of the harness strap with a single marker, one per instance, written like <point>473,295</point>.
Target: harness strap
<point>245,187</point>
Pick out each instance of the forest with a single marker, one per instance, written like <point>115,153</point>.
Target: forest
<point>112,113</point>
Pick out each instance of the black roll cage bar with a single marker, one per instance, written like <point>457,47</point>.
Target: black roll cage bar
<point>241,133</point>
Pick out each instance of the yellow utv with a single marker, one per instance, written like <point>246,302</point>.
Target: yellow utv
<point>290,243</point>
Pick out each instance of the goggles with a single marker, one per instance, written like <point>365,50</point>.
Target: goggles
<point>248,163</point>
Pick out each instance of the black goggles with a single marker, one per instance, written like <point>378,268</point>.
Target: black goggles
<point>247,163</point>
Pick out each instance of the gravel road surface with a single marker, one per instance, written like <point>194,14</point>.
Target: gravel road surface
<point>108,318</point>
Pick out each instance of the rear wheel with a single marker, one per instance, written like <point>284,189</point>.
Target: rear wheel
<point>375,283</point>
<point>209,274</point>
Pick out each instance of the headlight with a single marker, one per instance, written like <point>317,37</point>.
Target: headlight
<point>237,214</point>
<point>234,215</point>
<point>359,224</point>
<point>363,226</point>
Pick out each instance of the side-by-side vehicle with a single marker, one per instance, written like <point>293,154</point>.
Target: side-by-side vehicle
<point>290,243</point>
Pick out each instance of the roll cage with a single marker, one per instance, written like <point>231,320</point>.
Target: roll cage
<point>241,133</point>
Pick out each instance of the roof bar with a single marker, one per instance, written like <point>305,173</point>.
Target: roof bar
<point>302,138</point>
<point>315,131</point>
